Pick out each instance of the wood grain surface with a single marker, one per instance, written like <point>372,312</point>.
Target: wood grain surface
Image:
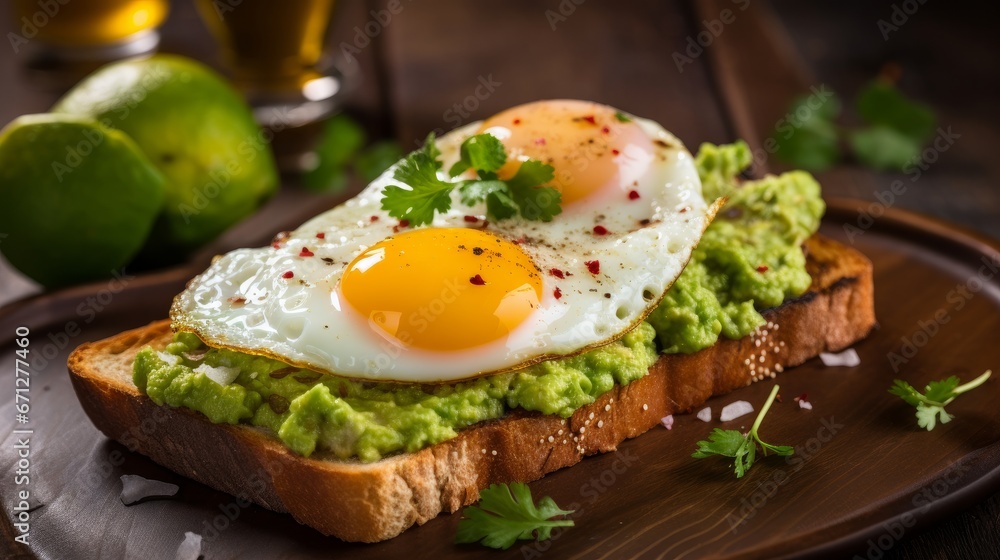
<point>484,56</point>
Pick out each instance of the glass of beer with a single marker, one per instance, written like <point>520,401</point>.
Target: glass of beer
<point>87,30</point>
<point>274,51</point>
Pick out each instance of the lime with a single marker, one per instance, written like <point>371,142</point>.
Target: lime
<point>79,199</point>
<point>197,130</point>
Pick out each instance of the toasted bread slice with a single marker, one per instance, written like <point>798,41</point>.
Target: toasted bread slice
<point>377,501</point>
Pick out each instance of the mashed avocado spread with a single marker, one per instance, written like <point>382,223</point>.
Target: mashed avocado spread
<point>749,259</point>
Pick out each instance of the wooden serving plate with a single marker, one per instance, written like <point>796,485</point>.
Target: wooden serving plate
<point>863,477</point>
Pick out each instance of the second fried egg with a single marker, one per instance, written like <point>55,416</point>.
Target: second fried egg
<point>354,292</point>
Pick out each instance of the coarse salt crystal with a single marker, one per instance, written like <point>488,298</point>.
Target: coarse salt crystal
<point>705,414</point>
<point>222,375</point>
<point>805,404</point>
<point>190,547</point>
<point>136,488</point>
<point>847,358</point>
<point>734,410</point>
<point>668,421</point>
<point>171,359</point>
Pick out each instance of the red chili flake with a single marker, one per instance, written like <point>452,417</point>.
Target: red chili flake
<point>762,268</point>
<point>615,152</point>
<point>539,141</point>
<point>557,273</point>
<point>471,219</point>
<point>557,293</point>
<point>589,118</point>
<point>600,230</point>
<point>802,397</point>
<point>593,266</point>
<point>777,397</point>
<point>288,274</point>
<point>485,223</point>
<point>305,252</point>
<point>320,235</point>
<point>633,195</point>
<point>520,240</point>
<point>404,223</point>
<point>605,130</point>
<point>517,121</point>
<point>374,218</point>
<point>477,280</point>
<point>276,245</point>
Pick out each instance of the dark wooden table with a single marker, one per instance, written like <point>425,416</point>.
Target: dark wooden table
<point>436,65</point>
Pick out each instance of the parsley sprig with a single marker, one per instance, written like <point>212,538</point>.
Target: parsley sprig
<point>741,447</point>
<point>506,514</point>
<point>937,395</point>
<point>425,193</point>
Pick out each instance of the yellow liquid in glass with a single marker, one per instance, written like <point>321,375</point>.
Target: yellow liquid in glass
<point>89,22</point>
<point>270,44</point>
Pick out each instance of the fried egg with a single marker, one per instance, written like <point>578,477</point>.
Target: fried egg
<point>356,293</point>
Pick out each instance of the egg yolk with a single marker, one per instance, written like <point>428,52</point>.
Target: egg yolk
<point>442,289</point>
<point>592,147</point>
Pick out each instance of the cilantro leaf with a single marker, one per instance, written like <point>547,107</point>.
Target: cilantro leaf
<point>426,193</point>
<point>340,140</point>
<point>508,513</point>
<point>881,103</point>
<point>535,201</point>
<point>741,447</point>
<point>941,391</point>
<point>375,159</point>
<point>499,204</point>
<point>896,128</point>
<point>807,137</point>
<point>881,147</point>
<point>482,152</point>
<point>431,151</point>
<point>937,395</point>
<point>721,442</point>
<point>622,117</point>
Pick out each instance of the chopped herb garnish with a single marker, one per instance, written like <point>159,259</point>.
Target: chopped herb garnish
<point>508,513</point>
<point>523,194</point>
<point>894,133</point>
<point>622,117</point>
<point>741,447</point>
<point>937,395</point>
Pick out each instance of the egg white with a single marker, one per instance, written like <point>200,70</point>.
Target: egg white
<point>244,302</point>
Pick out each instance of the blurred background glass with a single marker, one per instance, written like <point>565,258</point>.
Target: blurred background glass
<point>73,37</point>
<point>274,53</point>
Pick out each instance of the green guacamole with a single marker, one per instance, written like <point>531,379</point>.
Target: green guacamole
<point>749,259</point>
